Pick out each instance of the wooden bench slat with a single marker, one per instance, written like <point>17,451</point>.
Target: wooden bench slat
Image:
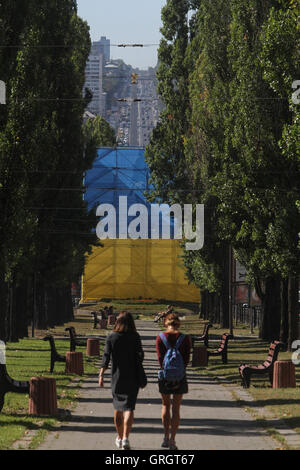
<point>246,370</point>
<point>222,349</point>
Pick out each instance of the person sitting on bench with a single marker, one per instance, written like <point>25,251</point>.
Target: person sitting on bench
<point>162,315</point>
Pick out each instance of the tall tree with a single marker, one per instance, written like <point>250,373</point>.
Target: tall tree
<point>165,154</point>
<point>280,59</point>
<point>204,148</point>
<point>256,176</point>
<point>98,130</point>
<point>51,154</point>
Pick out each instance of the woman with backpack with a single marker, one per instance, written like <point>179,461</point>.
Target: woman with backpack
<point>124,347</point>
<point>173,352</point>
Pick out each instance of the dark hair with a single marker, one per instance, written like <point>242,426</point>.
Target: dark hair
<point>125,323</point>
<point>172,319</point>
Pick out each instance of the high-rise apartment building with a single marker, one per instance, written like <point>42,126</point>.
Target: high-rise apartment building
<point>102,47</point>
<point>94,81</point>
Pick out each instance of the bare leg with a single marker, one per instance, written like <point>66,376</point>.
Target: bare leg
<point>165,414</point>
<point>175,416</point>
<point>119,423</point>
<point>128,421</point>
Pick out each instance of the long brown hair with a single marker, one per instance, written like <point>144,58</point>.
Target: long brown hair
<point>172,319</point>
<point>125,323</point>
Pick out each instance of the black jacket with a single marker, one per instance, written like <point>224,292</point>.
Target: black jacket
<point>124,349</point>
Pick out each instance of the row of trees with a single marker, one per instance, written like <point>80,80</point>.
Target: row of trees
<point>229,138</point>
<point>45,227</point>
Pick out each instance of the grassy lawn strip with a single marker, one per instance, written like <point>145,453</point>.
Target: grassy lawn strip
<point>284,403</point>
<point>31,358</point>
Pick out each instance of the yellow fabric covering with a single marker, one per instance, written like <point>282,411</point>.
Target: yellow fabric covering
<point>124,269</point>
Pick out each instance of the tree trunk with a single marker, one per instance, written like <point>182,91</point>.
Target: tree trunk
<point>270,326</point>
<point>4,305</point>
<point>284,323</point>
<point>224,317</point>
<point>41,321</point>
<point>292,310</point>
<point>13,335</point>
<point>211,307</point>
<point>203,308</point>
<point>21,309</point>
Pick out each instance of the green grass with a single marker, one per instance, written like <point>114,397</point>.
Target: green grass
<point>192,324</point>
<point>31,358</point>
<point>284,403</point>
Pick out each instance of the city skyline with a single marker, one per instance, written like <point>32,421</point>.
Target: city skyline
<point>126,23</point>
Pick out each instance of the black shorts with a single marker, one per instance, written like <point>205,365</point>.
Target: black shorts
<point>175,388</point>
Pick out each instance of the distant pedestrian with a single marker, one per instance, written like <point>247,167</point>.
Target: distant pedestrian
<point>110,310</point>
<point>162,315</point>
<point>101,314</point>
<point>124,347</point>
<point>105,312</point>
<point>179,355</point>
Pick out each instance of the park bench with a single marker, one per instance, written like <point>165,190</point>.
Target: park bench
<point>7,384</point>
<point>222,349</point>
<point>246,370</point>
<point>74,340</point>
<point>55,357</point>
<point>96,318</point>
<point>102,315</point>
<point>203,337</point>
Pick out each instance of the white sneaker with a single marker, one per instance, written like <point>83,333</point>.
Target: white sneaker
<point>118,443</point>
<point>125,444</point>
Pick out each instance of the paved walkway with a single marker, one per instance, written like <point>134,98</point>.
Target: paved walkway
<point>210,418</point>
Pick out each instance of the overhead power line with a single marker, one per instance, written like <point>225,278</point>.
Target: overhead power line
<point>294,190</point>
<point>133,45</point>
<point>81,100</point>
<point>19,46</point>
<point>129,100</point>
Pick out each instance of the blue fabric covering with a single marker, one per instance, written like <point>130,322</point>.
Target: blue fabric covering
<point>116,172</point>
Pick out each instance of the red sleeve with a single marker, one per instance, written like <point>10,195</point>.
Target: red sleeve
<point>160,350</point>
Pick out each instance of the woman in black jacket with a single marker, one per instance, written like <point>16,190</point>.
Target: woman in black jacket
<point>124,347</point>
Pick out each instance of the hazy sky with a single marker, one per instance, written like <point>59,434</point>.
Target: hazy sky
<point>125,21</point>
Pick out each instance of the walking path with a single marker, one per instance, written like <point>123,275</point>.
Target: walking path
<point>210,418</point>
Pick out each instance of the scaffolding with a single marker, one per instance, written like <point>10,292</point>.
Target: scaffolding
<point>127,268</point>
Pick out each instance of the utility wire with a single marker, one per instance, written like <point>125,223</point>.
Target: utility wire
<point>278,172</point>
<point>82,100</point>
<point>66,46</point>
<point>147,189</point>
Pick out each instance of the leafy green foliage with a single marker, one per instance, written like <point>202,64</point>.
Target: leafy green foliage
<point>100,132</point>
<point>46,228</point>
<point>238,148</point>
